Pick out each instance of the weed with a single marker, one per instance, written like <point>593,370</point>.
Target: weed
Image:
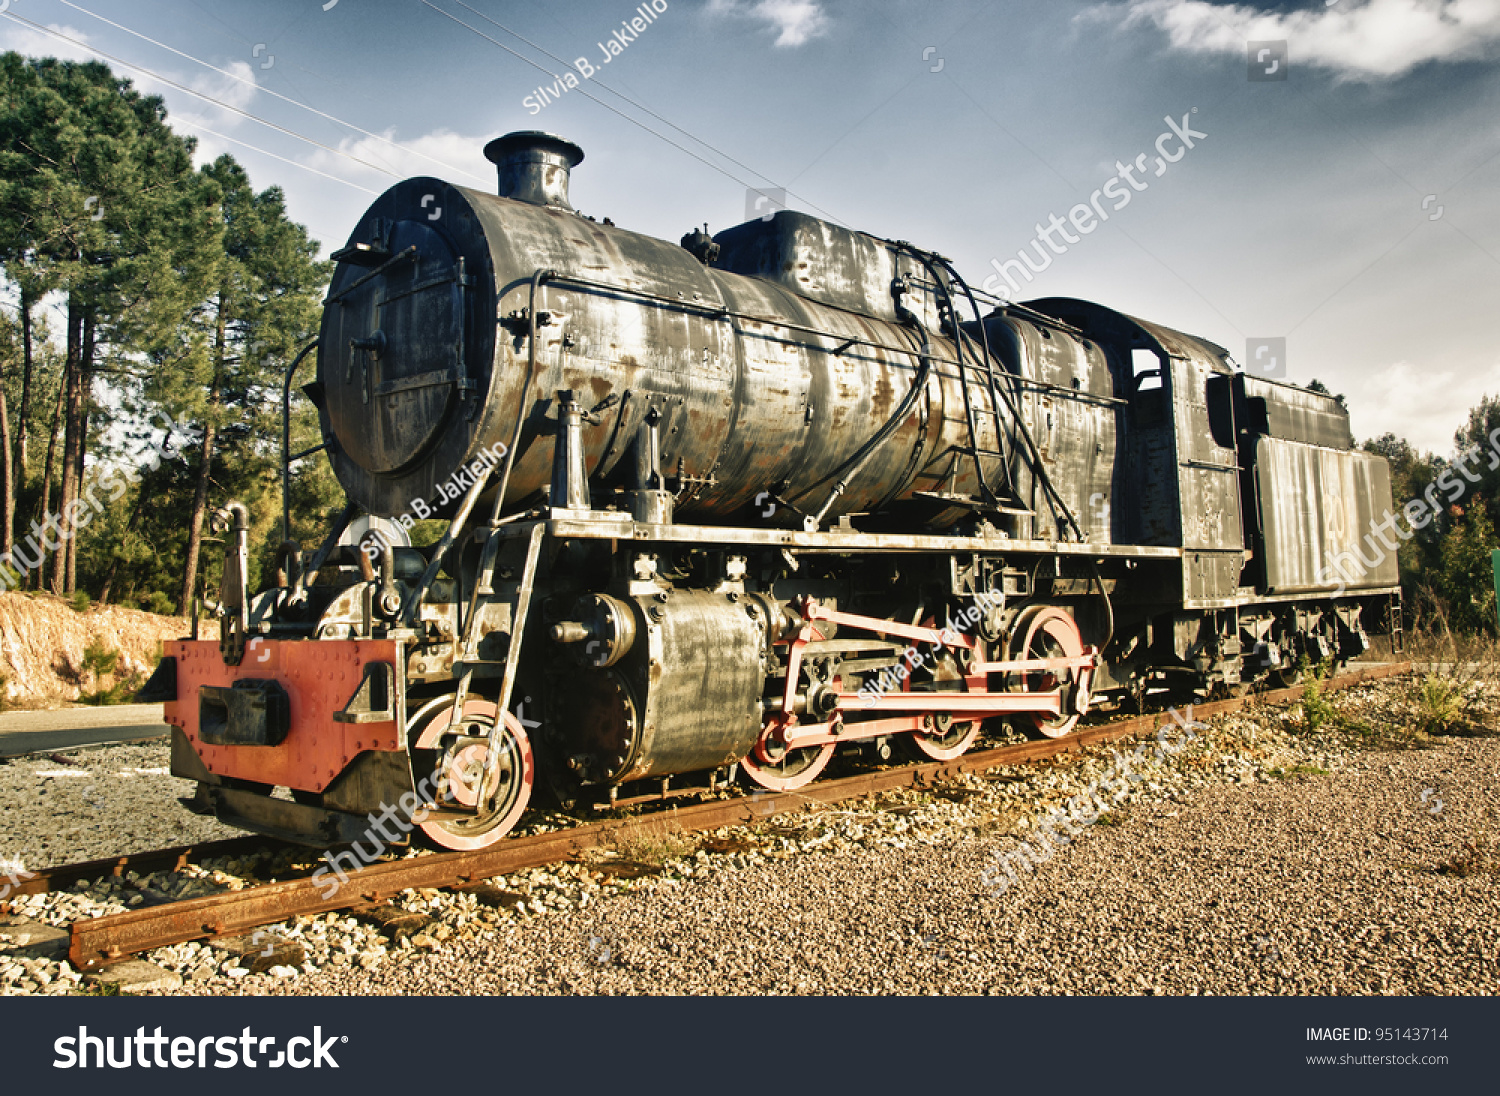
<point>1298,772</point>
<point>98,989</point>
<point>80,602</point>
<point>121,692</point>
<point>1452,694</point>
<point>1473,858</point>
<point>1317,710</point>
<point>1440,703</point>
<point>656,848</point>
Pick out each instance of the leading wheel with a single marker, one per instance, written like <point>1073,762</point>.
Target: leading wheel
<point>1044,631</point>
<point>789,769</point>
<point>450,764</point>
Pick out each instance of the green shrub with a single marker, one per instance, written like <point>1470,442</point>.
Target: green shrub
<point>103,661</point>
<point>1317,710</point>
<point>100,659</point>
<point>159,603</point>
<point>1452,692</point>
<point>1440,703</point>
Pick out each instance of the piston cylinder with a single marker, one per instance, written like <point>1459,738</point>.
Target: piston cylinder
<point>685,696</point>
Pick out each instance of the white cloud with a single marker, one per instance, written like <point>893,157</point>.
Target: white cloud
<point>454,157</point>
<point>34,43</point>
<point>1419,403</point>
<point>1358,41</point>
<point>238,93</point>
<point>795,21</point>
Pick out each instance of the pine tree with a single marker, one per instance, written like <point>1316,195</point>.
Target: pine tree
<point>100,202</point>
<point>1466,578</point>
<point>263,309</point>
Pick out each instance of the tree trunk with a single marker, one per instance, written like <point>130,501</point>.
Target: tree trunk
<point>71,406</point>
<point>24,425</point>
<point>34,578</point>
<point>80,439</point>
<point>200,509</point>
<point>205,467</point>
<point>7,481</point>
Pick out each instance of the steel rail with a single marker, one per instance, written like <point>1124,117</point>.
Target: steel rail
<point>144,863</point>
<point>100,941</point>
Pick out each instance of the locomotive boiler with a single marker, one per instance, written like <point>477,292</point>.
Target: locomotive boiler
<point>716,509</point>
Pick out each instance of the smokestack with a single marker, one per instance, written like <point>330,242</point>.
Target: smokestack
<point>534,166</point>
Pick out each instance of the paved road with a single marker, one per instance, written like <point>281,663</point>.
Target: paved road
<point>78,728</point>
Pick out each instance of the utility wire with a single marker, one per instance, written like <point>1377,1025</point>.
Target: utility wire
<point>253,148</point>
<point>197,94</point>
<point>365,163</point>
<point>277,94</point>
<point>639,106</point>
<point>613,110</point>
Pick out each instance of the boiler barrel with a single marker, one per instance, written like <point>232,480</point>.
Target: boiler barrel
<point>425,364</point>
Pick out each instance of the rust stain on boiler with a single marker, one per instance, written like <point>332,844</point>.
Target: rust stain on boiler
<point>883,399</point>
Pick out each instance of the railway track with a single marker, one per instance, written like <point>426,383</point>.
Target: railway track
<point>98,942</point>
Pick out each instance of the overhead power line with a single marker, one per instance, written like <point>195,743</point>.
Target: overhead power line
<point>150,74</point>
<point>197,94</point>
<point>255,148</point>
<point>635,103</point>
<point>613,110</point>
<point>276,94</point>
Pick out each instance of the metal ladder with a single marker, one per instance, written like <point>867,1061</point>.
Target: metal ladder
<point>989,499</point>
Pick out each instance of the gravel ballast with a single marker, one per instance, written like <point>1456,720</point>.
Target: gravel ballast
<point>87,804</point>
<point>1258,858</point>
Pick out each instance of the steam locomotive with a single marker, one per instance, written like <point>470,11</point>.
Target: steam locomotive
<point>715,509</point>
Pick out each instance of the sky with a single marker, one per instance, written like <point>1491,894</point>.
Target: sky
<point>1323,173</point>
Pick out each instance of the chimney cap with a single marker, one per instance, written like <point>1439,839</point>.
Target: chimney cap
<point>513,145</point>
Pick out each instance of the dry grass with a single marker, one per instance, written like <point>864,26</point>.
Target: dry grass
<point>1474,857</point>
<point>653,847</point>
<point>1456,687</point>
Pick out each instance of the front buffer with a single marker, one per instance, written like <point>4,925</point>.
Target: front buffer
<point>327,720</point>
